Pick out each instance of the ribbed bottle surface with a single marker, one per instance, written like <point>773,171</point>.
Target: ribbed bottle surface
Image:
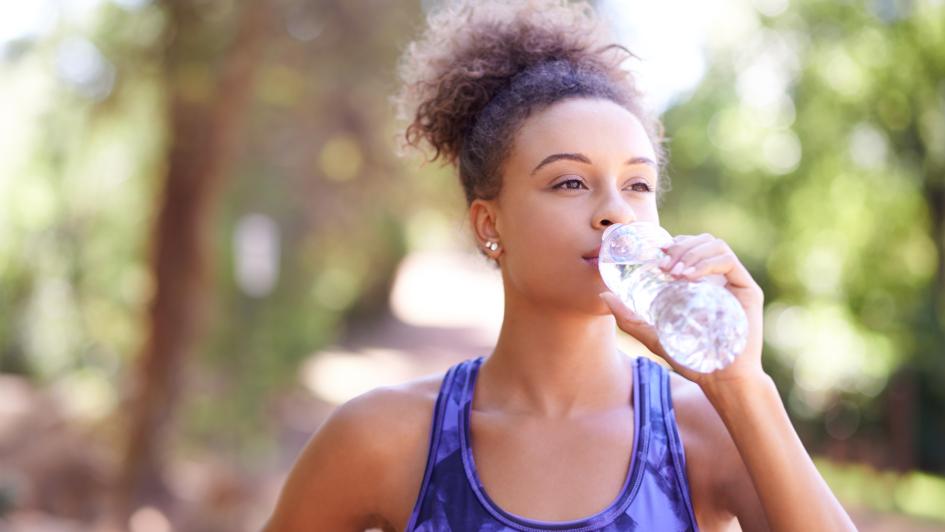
<point>700,324</point>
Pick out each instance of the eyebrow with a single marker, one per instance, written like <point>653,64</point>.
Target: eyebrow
<point>581,158</point>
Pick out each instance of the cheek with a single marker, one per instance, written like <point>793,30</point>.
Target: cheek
<point>544,228</point>
<point>547,245</point>
<point>547,207</point>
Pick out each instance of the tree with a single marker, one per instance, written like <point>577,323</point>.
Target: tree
<point>817,147</point>
<point>205,128</point>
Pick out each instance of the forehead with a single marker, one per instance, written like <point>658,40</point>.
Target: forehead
<point>581,125</point>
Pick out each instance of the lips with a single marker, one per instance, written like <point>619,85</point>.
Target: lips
<point>593,254</point>
<point>591,257</point>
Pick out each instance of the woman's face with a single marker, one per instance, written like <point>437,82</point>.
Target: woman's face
<point>575,168</point>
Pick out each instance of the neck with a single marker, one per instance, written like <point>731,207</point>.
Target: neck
<point>554,365</point>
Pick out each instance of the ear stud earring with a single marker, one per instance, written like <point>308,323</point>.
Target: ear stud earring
<point>492,246</point>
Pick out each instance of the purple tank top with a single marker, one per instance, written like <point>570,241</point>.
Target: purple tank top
<point>655,494</point>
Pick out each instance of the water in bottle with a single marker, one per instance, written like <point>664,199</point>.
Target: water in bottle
<point>699,323</point>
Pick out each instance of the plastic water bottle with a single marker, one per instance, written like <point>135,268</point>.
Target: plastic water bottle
<point>700,324</point>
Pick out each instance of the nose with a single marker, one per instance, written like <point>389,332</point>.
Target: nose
<point>613,209</point>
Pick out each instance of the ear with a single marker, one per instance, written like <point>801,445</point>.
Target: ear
<point>483,218</point>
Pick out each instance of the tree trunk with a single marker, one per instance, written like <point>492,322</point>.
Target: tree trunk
<point>204,134</point>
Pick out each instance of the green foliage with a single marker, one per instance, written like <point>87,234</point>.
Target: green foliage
<point>78,177</point>
<point>815,148</point>
<point>81,181</point>
<point>812,150</point>
<point>860,486</point>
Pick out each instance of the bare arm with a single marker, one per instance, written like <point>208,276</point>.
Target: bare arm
<point>792,493</point>
<point>720,484</point>
<point>791,490</point>
<point>332,483</point>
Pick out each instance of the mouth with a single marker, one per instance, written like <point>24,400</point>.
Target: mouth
<point>591,260</point>
<point>592,255</point>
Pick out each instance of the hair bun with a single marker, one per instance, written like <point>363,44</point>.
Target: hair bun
<point>473,49</point>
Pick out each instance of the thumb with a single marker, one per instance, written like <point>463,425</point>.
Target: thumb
<point>620,310</point>
<point>632,324</point>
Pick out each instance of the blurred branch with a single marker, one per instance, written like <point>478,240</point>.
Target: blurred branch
<point>204,134</point>
<point>935,198</point>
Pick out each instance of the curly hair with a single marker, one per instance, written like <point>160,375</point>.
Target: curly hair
<point>483,66</point>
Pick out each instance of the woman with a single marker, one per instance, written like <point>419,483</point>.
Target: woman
<point>556,429</point>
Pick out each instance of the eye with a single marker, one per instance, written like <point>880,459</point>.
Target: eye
<point>644,185</point>
<point>569,182</point>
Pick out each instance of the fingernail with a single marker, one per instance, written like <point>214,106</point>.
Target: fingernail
<point>689,271</point>
<point>676,268</point>
<point>665,262</point>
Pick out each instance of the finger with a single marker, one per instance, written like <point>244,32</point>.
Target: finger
<point>726,264</point>
<point>632,324</point>
<point>680,246</point>
<point>621,311</point>
<point>644,333</point>
<point>701,249</point>
<point>678,239</point>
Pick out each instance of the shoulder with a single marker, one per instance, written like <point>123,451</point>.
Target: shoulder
<point>379,423</point>
<point>701,427</point>
<point>720,485</point>
<point>366,460</point>
<point>392,411</point>
<point>390,428</point>
<point>692,406</point>
<point>704,436</point>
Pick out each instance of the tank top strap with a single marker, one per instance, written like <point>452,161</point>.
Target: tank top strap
<point>666,457</point>
<point>655,495</point>
<point>443,451</point>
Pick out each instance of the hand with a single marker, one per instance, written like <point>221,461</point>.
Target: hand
<point>695,257</point>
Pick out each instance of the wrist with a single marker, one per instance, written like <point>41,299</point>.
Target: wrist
<point>727,394</point>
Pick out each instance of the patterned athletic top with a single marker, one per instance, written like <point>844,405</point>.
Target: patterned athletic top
<point>655,493</point>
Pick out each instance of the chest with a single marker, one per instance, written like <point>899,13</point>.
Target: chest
<point>552,470</point>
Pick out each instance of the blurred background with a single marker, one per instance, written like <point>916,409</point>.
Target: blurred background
<point>208,241</point>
